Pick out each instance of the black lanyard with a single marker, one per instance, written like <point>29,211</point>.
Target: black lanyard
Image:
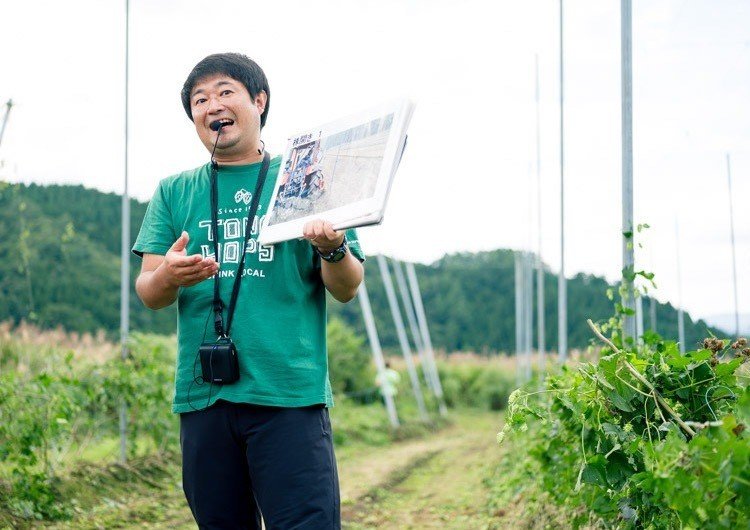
<point>218,304</point>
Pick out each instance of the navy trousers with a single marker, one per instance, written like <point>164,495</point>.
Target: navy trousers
<point>240,461</point>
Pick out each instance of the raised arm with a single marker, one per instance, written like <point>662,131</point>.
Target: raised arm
<point>162,276</point>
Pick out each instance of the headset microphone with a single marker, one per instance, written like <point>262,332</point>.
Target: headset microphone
<point>215,126</point>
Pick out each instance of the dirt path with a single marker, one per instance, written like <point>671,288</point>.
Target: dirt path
<point>434,482</point>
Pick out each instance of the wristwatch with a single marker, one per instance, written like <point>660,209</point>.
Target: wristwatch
<point>336,255</point>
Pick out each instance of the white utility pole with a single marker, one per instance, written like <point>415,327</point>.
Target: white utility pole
<point>403,290</point>
<point>680,315</point>
<point>639,317</point>
<point>402,339</point>
<point>422,321</point>
<point>8,106</point>
<point>529,310</point>
<point>539,264</point>
<point>125,249</point>
<point>377,352</point>
<point>652,307</point>
<point>518,276</point>
<point>562,294</point>
<point>734,254</point>
<point>628,258</point>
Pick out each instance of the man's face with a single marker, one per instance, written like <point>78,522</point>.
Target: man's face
<point>221,98</point>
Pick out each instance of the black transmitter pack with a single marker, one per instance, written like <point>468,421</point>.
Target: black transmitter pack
<point>219,362</point>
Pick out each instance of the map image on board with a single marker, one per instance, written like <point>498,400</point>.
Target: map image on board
<point>324,172</point>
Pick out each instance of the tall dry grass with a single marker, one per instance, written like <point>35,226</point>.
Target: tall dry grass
<point>26,347</point>
<point>506,363</point>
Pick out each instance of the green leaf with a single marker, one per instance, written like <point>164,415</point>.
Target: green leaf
<point>725,369</point>
<point>618,470</point>
<point>595,471</point>
<point>674,358</point>
<point>620,402</point>
<point>702,371</point>
<point>612,429</point>
<point>700,355</point>
<point>602,381</point>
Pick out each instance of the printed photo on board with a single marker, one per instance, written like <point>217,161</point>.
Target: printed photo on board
<point>323,173</point>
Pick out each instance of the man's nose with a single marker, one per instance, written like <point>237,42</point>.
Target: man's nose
<point>214,105</point>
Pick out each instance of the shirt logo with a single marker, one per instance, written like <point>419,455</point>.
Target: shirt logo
<point>243,195</point>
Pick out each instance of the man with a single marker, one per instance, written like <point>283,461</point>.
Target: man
<point>262,443</point>
<point>388,382</point>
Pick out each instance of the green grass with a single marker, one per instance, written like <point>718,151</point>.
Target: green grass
<point>102,494</point>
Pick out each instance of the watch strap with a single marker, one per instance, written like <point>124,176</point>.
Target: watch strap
<point>335,255</point>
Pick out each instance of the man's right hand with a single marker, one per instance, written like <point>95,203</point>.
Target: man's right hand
<point>180,270</point>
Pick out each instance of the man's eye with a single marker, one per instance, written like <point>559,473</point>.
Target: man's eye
<point>226,92</point>
<point>199,101</point>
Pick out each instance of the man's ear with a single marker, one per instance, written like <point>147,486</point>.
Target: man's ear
<point>260,101</point>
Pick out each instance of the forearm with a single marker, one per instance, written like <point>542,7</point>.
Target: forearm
<point>154,290</point>
<point>343,278</point>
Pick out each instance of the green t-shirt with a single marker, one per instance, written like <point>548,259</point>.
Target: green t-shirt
<point>279,324</point>
<point>389,382</point>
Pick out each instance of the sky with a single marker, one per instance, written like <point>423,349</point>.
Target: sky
<point>468,179</point>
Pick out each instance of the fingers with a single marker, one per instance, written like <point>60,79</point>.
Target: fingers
<point>181,243</point>
<point>194,260</point>
<point>187,271</point>
<point>183,270</point>
<point>177,255</point>
<point>186,280</point>
<point>308,231</point>
<point>329,232</point>
<point>207,266</point>
<point>198,277</point>
<point>321,234</point>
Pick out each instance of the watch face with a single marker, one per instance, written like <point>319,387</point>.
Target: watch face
<point>338,255</point>
<point>335,255</point>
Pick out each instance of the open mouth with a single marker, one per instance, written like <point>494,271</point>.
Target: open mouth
<point>218,124</point>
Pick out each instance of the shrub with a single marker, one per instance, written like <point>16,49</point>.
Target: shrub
<point>349,362</point>
<point>475,385</point>
<point>644,438</point>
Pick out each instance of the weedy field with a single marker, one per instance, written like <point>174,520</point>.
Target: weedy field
<point>59,402</point>
<point>629,436</point>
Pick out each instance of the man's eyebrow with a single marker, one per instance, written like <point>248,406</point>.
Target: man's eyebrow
<point>218,84</point>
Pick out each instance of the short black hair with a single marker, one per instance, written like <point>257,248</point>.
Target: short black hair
<point>235,65</point>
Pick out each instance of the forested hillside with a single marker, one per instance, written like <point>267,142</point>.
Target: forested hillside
<point>470,304</point>
<point>60,265</point>
<point>60,259</point>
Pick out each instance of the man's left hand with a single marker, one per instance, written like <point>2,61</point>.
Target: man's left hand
<point>322,235</point>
